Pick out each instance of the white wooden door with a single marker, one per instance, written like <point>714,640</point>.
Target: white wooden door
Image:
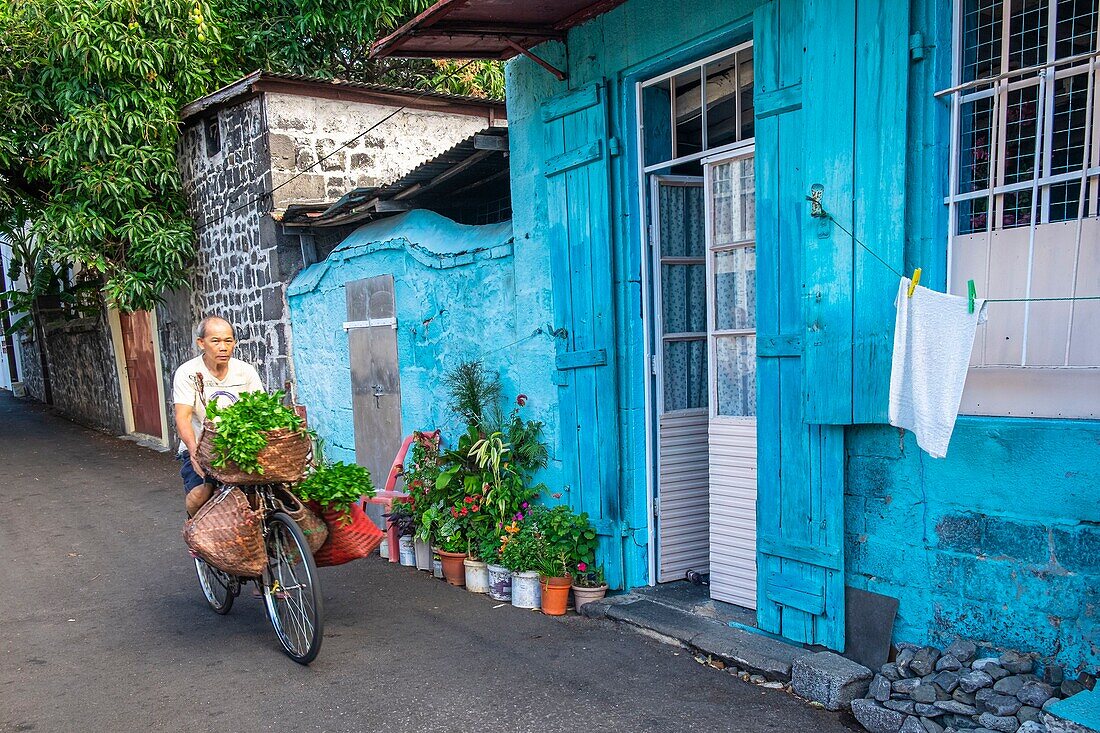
<point>680,374</point>
<point>731,329</point>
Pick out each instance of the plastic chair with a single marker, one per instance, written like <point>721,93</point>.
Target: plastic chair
<point>390,495</point>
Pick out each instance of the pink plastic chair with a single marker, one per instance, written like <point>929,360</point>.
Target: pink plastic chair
<point>388,496</point>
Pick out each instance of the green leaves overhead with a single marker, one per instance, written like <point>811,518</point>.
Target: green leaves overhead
<point>90,93</point>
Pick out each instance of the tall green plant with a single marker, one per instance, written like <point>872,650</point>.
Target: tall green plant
<point>474,391</point>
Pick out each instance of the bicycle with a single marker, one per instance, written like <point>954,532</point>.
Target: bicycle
<point>289,585</point>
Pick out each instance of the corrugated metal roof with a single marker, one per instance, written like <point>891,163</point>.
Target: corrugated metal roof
<point>494,29</point>
<point>478,159</point>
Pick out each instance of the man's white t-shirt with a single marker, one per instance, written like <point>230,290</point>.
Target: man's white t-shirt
<point>239,377</point>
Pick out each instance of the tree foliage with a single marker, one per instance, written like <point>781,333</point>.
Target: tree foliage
<point>90,94</point>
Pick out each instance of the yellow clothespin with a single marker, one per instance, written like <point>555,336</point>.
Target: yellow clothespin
<point>914,282</point>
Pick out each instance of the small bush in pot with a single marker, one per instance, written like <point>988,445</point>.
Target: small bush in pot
<point>400,517</point>
<point>588,585</point>
<point>452,546</point>
<point>522,554</point>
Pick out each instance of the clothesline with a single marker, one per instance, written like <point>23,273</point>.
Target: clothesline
<point>987,300</point>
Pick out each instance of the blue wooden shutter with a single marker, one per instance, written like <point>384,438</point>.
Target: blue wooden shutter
<point>800,509</point>
<point>578,185</point>
<point>856,89</point>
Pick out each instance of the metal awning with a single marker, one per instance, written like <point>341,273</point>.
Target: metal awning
<point>488,29</point>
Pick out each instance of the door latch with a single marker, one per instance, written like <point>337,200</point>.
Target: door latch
<point>378,393</point>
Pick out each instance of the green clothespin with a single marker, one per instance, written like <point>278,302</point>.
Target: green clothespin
<point>970,295</point>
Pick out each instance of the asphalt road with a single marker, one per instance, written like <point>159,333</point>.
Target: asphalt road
<point>103,628</point>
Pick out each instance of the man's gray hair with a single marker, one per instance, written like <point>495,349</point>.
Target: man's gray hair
<point>200,330</point>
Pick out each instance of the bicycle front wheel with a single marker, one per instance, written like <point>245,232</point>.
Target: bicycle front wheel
<point>292,594</point>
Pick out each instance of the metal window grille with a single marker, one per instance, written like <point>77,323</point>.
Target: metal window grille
<point>1025,150</point>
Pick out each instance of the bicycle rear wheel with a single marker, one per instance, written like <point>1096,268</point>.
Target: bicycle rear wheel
<point>219,588</point>
<point>292,594</point>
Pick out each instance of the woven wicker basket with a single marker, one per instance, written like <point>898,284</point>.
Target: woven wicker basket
<point>226,533</point>
<point>283,460</point>
<point>312,526</point>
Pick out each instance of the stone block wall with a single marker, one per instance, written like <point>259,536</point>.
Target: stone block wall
<point>83,372</point>
<point>236,274</point>
<point>305,129</point>
<point>998,543</point>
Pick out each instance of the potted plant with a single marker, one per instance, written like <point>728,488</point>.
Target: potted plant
<point>522,554</point>
<point>451,546</point>
<point>568,540</point>
<point>420,478</point>
<point>588,585</point>
<point>499,577</point>
<point>400,517</point>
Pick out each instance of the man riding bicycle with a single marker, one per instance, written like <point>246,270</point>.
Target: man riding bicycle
<point>213,375</point>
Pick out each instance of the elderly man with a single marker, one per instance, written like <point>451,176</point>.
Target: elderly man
<point>213,375</point>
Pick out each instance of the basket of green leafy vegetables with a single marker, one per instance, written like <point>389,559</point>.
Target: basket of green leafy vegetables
<point>256,440</point>
<point>334,490</point>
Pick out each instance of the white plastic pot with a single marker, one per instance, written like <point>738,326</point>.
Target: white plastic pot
<point>407,551</point>
<point>526,592</point>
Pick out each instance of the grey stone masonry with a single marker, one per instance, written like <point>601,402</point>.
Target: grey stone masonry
<point>829,679</point>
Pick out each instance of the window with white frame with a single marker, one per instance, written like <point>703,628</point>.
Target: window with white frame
<point>1024,208</point>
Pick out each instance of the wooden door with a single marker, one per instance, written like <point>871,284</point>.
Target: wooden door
<point>141,372</point>
<point>578,181</point>
<point>375,380</point>
<point>680,357</point>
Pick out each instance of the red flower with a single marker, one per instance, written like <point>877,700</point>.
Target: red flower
<point>556,496</point>
<point>454,512</point>
<point>582,566</point>
<point>521,400</point>
<point>475,507</point>
<point>464,511</point>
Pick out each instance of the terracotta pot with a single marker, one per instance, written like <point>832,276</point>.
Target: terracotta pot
<point>477,576</point>
<point>525,589</point>
<point>453,569</point>
<point>555,594</point>
<point>582,596</point>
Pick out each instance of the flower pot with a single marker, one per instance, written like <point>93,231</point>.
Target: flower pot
<point>477,576</point>
<point>453,570</point>
<point>437,565</point>
<point>423,555</point>
<point>500,583</point>
<point>582,596</point>
<point>384,549</point>
<point>525,589</point>
<point>555,594</point>
<point>408,552</point>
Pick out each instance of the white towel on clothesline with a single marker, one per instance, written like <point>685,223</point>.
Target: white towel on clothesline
<point>933,338</point>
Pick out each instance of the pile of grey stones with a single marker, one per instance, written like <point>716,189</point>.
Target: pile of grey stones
<point>926,691</point>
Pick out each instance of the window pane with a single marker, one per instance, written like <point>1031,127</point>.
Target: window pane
<point>1067,144</point>
<point>689,113</point>
<point>1019,163</point>
<point>685,374</point>
<point>722,85</point>
<point>735,289</point>
<point>745,75</point>
<point>1076,27</point>
<point>735,358</point>
<point>1027,39</point>
<point>975,133</point>
<point>657,121</point>
<point>973,215</point>
<point>981,39</point>
<point>684,298</point>
<point>733,188</point>
<point>682,216</point>
<point>1064,200</point>
<point>1017,209</point>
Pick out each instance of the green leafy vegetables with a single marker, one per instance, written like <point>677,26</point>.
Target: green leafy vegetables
<point>336,486</point>
<point>241,428</point>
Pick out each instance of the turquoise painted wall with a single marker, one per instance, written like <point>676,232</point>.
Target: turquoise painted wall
<point>461,292</point>
<point>1000,542</point>
<point>635,40</point>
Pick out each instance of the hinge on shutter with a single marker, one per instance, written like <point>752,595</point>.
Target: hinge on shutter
<point>916,46</point>
<point>656,506</point>
<point>613,147</point>
<point>653,364</point>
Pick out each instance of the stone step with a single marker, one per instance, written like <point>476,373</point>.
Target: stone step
<point>755,653</point>
<point>1077,714</point>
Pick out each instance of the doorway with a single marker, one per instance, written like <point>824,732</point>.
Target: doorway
<point>375,380</point>
<point>142,383</point>
<point>696,129</point>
